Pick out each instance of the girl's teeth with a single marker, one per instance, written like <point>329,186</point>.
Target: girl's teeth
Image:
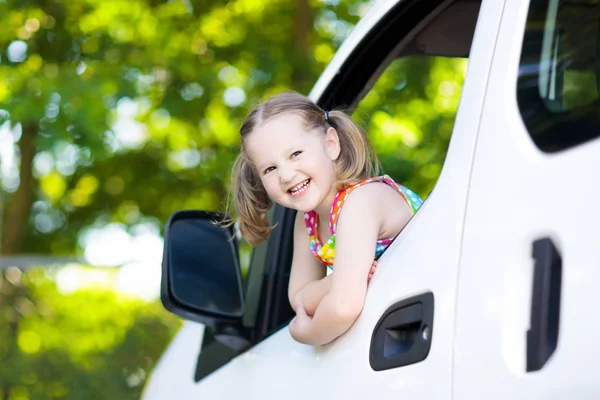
<point>300,189</point>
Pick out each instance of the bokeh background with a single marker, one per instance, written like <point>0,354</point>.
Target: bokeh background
<point>113,115</point>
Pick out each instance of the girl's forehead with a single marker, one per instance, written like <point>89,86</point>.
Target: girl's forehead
<point>281,124</point>
<point>281,130</point>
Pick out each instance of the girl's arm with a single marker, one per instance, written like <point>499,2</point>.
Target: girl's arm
<point>313,293</point>
<point>357,232</point>
<point>307,272</point>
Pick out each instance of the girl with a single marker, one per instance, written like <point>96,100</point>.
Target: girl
<point>321,164</point>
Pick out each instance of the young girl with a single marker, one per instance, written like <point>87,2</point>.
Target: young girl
<point>321,164</point>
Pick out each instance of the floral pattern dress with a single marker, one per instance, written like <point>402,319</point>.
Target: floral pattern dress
<point>325,252</point>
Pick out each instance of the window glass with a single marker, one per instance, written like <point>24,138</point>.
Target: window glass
<point>409,115</point>
<point>558,75</point>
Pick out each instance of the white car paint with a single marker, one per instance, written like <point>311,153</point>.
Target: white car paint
<point>173,375</point>
<point>519,194</point>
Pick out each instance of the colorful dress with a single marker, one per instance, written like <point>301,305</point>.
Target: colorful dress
<point>325,253</point>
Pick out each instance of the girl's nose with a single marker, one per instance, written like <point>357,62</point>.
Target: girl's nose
<point>286,175</point>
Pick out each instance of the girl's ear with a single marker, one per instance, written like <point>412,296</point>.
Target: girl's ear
<point>332,143</point>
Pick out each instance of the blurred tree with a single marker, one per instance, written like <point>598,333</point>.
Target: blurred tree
<point>88,344</point>
<point>409,116</point>
<point>134,105</point>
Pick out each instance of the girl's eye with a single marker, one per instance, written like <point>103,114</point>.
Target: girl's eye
<point>296,154</point>
<point>266,171</point>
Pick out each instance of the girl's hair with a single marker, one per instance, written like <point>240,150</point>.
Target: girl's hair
<point>357,160</point>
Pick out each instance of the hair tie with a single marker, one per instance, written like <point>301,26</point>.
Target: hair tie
<point>327,117</point>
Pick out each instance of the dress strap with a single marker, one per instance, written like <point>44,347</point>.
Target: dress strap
<point>411,199</point>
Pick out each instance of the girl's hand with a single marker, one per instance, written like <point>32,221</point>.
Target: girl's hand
<point>372,270</point>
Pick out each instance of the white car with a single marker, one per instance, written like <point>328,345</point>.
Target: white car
<point>489,292</point>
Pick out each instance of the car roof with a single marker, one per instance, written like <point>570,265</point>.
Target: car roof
<point>376,12</point>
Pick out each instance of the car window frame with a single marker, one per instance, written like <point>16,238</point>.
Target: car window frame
<point>270,264</point>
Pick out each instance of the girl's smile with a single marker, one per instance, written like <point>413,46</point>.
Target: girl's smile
<point>300,188</point>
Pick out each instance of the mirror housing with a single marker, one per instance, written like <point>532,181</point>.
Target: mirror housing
<point>201,276</point>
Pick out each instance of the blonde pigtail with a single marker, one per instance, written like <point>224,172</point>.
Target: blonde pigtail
<point>357,159</point>
<point>251,202</point>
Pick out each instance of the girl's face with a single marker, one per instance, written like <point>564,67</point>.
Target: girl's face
<point>296,166</point>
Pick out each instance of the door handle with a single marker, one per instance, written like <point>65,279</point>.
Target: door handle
<point>403,334</point>
<point>542,336</point>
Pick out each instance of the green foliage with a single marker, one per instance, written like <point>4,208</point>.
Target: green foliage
<point>88,344</point>
<point>409,115</point>
<point>143,99</point>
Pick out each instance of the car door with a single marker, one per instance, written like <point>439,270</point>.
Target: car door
<point>527,302</point>
<point>417,272</point>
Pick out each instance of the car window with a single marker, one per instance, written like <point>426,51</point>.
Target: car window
<point>558,84</point>
<point>409,115</point>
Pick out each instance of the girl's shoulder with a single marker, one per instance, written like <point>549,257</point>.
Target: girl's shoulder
<point>385,203</point>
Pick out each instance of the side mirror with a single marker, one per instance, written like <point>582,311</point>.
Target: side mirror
<point>201,276</point>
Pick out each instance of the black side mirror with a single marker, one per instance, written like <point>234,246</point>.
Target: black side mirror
<point>201,275</point>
